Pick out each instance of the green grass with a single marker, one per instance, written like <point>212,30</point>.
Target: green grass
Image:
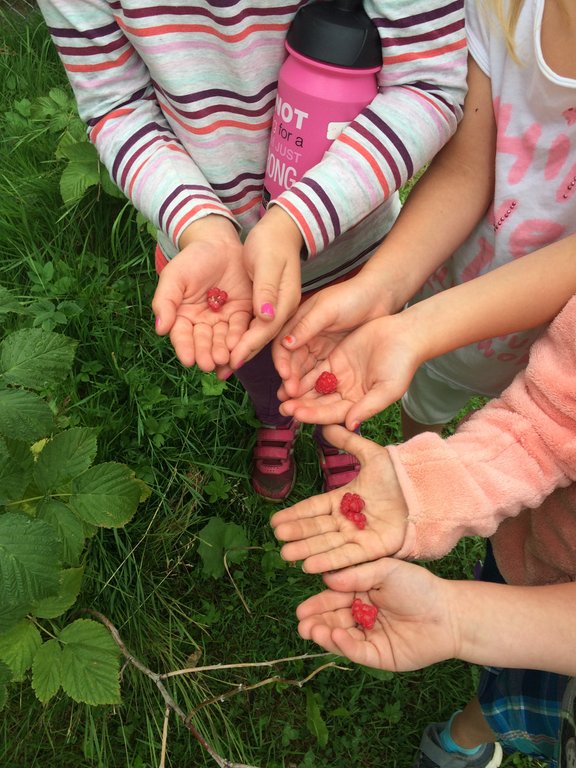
<point>87,272</point>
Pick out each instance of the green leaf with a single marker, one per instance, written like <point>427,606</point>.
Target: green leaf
<point>47,670</point>
<point>106,495</point>
<point>90,663</point>
<point>76,179</point>
<point>109,186</point>
<point>314,720</point>
<point>51,607</point>
<point>69,528</point>
<point>24,416</point>
<point>217,539</point>
<point>211,386</point>
<point>35,358</point>
<point>64,457</point>
<point>18,647</point>
<point>11,614</point>
<point>16,465</point>
<point>60,97</point>
<point>9,302</point>
<point>81,152</point>
<point>29,560</point>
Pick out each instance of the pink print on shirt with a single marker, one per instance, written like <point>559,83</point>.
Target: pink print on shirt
<point>522,147</point>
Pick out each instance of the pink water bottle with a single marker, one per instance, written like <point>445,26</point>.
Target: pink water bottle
<point>329,76</point>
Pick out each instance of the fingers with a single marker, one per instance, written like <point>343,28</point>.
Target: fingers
<point>167,299</point>
<point>314,316</point>
<point>348,441</point>
<point>364,577</point>
<point>374,401</point>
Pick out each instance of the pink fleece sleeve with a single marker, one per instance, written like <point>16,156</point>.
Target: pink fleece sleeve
<point>510,455</point>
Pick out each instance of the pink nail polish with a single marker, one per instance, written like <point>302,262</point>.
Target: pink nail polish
<point>268,309</point>
<point>157,323</point>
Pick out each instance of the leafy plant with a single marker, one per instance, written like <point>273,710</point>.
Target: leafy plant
<point>53,497</point>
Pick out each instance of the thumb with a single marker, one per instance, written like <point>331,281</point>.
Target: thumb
<point>348,441</point>
<point>361,578</point>
<point>265,288</point>
<point>164,304</point>
<point>374,401</point>
<point>309,321</point>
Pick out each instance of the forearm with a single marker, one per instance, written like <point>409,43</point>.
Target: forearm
<point>510,455</point>
<point>523,294</point>
<point>515,627</point>
<point>445,205</point>
<point>419,104</point>
<point>118,102</point>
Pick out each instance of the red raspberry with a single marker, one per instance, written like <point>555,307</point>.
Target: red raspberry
<point>364,613</point>
<point>326,383</point>
<point>351,506</point>
<point>216,299</point>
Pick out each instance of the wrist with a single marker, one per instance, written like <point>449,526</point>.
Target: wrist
<point>284,225</point>
<point>213,227</point>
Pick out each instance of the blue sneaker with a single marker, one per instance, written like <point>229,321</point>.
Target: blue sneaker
<point>432,755</point>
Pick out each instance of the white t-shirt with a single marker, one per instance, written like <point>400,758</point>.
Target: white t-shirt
<point>535,190</point>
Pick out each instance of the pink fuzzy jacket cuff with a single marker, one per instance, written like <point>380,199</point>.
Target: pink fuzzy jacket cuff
<point>509,456</point>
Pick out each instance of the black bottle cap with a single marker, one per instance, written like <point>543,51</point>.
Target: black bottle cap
<point>337,32</point>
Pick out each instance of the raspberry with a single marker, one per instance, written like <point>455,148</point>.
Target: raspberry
<point>216,299</point>
<point>326,383</point>
<point>351,506</point>
<point>364,613</point>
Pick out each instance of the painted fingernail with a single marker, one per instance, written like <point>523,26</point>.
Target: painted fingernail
<point>268,310</point>
<point>157,322</point>
<point>240,364</point>
<point>289,340</point>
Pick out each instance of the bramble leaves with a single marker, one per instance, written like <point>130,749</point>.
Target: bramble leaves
<point>29,563</point>
<point>90,663</point>
<point>47,670</point>
<point>35,358</point>
<point>24,415</point>
<point>83,660</point>
<point>106,495</point>
<point>18,647</point>
<point>65,457</point>
<point>52,497</point>
<point>70,583</point>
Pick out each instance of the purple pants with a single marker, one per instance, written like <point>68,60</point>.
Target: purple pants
<point>261,381</point>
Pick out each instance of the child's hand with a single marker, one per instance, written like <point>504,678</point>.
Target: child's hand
<point>320,535</point>
<point>211,256</point>
<point>414,627</point>
<point>324,319</point>
<point>373,365</point>
<point>272,261</point>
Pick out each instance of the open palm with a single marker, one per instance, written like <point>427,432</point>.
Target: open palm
<point>413,626</point>
<point>315,530</point>
<point>373,365</point>
<point>198,334</point>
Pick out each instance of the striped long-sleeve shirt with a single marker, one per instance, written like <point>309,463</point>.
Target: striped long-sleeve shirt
<point>178,98</point>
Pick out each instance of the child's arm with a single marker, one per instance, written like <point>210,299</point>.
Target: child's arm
<point>117,101</point>
<point>510,455</point>
<point>375,364</point>
<point>423,619</point>
<point>421,90</point>
<point>441,211</point>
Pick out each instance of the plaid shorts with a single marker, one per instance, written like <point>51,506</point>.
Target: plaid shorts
<point>522,706</point>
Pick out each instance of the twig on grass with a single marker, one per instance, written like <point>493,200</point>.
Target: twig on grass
<point>172,705</point>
